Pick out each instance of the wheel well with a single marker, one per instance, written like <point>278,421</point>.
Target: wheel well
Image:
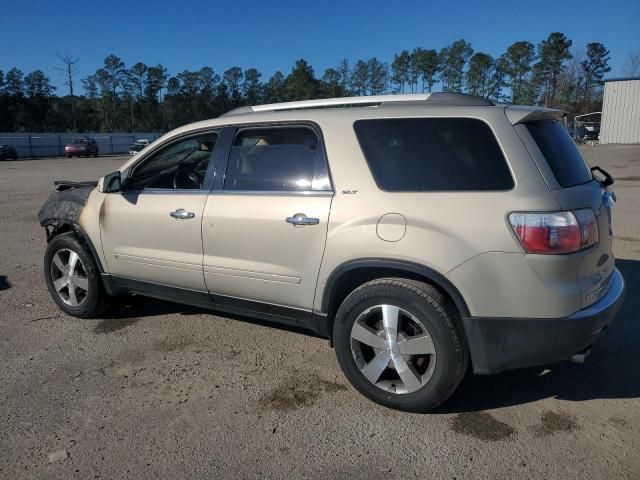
<point>53,228</point>
<point>58,228</point>
<point>346,279</point>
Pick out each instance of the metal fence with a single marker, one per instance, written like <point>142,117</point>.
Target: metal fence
<point>52,144</point>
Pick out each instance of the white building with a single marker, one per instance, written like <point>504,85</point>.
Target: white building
<point>621,111</point>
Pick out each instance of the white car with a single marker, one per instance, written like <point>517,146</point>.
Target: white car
<point>138,145</point>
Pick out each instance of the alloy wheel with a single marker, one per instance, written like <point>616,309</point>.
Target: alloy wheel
<point>393,349</point>
<point>69,277</point>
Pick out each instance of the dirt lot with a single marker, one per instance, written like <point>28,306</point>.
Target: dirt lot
<point>162,390</point>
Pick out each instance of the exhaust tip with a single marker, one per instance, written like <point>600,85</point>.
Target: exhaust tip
<point>580,357</point>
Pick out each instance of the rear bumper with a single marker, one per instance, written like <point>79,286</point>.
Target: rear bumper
<point>499,344</point>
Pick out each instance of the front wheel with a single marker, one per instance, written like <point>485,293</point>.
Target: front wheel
<point>399,344</point>
<point>73,279</point>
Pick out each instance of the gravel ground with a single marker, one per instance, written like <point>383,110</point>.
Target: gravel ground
<point>162,390</point>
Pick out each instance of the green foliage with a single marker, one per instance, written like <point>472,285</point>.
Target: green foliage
<point>359,78</point>
<point>345,75</point>
<point>332,84</point>
<point>14,83</point>
<point>251,88</point>
<point>479,74</point>
<point>427,64</point>
<point>147,98</point>
<point>36,84</point>
<point>301,83</point>
<point>369,77</point>
<point>498,81</point>
<point>274,90</point>
<point>377,76</point>
<point>594,67</point>
<point>452,61</point>
<point>519,60</point>
<point>552,53</point>
<point>400,68</point>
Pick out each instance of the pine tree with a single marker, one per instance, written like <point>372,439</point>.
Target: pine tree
<point>552,54</point>
<point>594,68</point>
<point>519,58</point>
<point>481,67</point>
<point>452,61</point>
<point>400,69</point>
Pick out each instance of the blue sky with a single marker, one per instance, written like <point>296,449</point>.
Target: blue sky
<point>271,35</point>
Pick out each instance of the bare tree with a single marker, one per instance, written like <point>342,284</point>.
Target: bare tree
<point>69,71</point>
<point>571,81</point>
<point>632,65</point>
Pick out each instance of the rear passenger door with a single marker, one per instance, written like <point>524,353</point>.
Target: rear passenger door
<point>265,223</point>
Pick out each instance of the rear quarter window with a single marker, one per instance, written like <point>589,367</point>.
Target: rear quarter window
<point>433,154</point>
<point>560,152</point>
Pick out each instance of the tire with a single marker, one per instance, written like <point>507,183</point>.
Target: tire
<point>426,319</point>
<point>69,156</point>
<point>89,302</point>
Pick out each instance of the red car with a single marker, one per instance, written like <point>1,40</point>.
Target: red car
<point>82,146</point>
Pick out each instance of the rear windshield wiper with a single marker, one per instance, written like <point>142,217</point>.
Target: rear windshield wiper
<point>608,179</point>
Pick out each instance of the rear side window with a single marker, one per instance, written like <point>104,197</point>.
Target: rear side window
<point>560,152</point>
<point>433,154</point>
<point>275,159</point>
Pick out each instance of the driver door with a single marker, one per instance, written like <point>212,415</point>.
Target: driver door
<point>151,229</point>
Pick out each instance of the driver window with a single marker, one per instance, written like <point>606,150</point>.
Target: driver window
<point>179,166</point>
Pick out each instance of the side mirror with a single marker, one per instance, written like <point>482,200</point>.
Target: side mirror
<point>110,183</point>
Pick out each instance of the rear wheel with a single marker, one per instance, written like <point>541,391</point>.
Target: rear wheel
<point>399,344</point>
<point>73,278</point>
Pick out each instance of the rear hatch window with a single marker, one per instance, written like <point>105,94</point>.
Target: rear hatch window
<point>560,152</point>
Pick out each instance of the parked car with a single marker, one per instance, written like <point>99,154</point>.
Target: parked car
<point>7,152</point>
<point>421,234</point>
<point>138,145</point>
<point>591,133</point>
<point>81,147</point>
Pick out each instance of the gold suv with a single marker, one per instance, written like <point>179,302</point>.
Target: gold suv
<point>421,234</point>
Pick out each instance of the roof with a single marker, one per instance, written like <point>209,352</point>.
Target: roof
<point>325,112</point>
<point>621,79</point>
<point>438,98</point>
<point>395,105</point>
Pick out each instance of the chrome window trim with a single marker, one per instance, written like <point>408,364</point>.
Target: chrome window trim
<point>167,191</point>
<point>171,191</point>
<point>296,193</point>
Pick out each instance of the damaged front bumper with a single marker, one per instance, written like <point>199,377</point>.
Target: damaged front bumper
<point>65,205</point>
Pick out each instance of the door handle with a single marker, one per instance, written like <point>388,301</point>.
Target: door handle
<point>182,214</point>
<point>302,219</point>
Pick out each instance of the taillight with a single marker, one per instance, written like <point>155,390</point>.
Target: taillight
<point>555,232</point>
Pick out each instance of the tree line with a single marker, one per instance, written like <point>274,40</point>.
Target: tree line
<point>147,98</point>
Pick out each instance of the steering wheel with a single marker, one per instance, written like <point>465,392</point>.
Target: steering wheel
<point>187,177</point>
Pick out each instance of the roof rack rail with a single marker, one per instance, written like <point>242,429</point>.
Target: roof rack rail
<point>339,102</point>
<point>438,98</point>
